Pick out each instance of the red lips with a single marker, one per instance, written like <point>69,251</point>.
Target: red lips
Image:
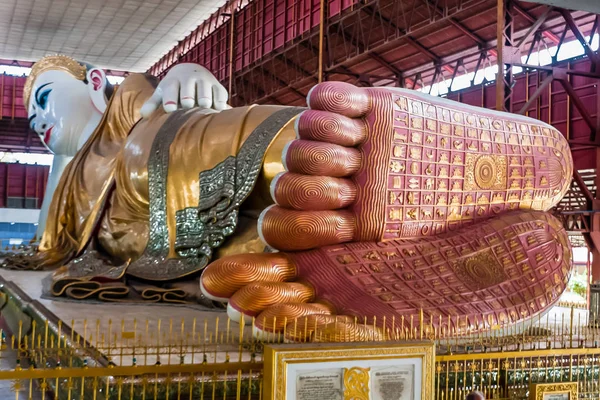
<point>47,135</point>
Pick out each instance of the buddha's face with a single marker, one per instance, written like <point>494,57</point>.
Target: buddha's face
<point>60,110</point>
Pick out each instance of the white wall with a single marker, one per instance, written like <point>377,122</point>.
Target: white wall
<point>19,215</point>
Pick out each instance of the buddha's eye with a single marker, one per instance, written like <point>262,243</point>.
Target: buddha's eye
<point>42,99</point>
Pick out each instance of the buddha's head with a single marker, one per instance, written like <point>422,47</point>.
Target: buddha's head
<point>65,99</point>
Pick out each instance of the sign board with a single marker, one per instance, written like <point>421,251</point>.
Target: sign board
<point>553,391</point>
<point>361,371</point>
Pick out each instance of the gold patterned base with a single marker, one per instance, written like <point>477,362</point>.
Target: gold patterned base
<point>91,277</point>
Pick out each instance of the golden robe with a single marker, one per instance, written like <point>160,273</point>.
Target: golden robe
<point>136,185</point>
<point>87,180</point>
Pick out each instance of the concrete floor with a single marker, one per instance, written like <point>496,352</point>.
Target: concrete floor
<point>110,327</point>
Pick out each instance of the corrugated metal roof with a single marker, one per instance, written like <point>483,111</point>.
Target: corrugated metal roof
<point>127,35</point>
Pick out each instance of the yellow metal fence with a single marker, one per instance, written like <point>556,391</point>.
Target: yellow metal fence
<point>219,359</point>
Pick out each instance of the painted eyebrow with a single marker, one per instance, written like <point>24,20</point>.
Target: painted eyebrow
<point>40,88</point>
<point>31,119</point>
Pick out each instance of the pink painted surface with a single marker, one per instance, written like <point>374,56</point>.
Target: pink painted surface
<point>261,27</point>
<point>11,97</point>
<point>22,181</point>
<point>455,279</point>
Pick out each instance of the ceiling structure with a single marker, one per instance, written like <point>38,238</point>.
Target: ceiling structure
<point>275,43</point>
<point>126,35</point>
<point>411,43</point>
<point>583,5</point>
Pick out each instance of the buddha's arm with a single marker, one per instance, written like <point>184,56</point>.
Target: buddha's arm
<point>58,166</point>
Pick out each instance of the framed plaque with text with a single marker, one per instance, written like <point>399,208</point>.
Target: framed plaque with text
<point>553,391</point>
<point>362,371</point>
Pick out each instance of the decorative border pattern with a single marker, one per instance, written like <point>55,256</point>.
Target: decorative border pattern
<point>356,383</point>
<point>158,167</point>
<point>537,391</point>
<point>223,189</point>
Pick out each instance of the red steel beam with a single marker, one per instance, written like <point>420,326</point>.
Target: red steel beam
<point>371,53</point>
<point>472,35</point>
<point>469,33</point>
<point>385,63</point>
<point>16,63</point>
<point>446,64</point>
<point>476,51</point>
<point>531,19</point>
<point>594,232</point>
<point>541,88</point>
<point>306,38</point>
<point>411,40</point>
<point>583,187</point>
<point>281,82</point>
<point>533,29</point>
<point>575,29</point>
<point>578,103</point>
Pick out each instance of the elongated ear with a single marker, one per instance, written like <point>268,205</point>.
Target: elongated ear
<point>96,85</point>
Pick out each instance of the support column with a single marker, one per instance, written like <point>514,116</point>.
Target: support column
<point>232,46</point>
<point>399,81</point>
<point>323,17</point>
<point>504,34</point>
<point>595,227</point>
<point>594,245</point>
<point>595,270</point>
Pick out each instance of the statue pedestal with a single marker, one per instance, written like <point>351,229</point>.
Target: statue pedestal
<point>111,332</point>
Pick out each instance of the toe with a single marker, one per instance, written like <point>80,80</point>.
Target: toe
<point>277,317</point>
<point>318,158</point>
<point>323,126</point>
<point>292,230</point>
<point>339,97</point>
<point>347,330</point>
<point>306,192</point>
<point>221,279</point>
<point>252,299</point>
<point>331,328</point>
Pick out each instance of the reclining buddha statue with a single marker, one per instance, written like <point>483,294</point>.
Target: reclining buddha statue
<point>377,202</point>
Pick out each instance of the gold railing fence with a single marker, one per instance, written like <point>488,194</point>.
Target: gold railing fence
<point>507,375</point>
<point>220,359</point>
